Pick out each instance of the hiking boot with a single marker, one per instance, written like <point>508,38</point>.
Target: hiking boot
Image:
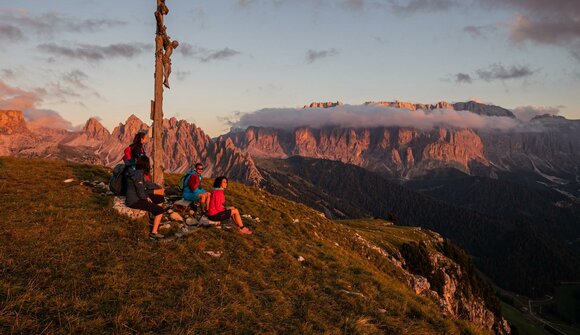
<point>245,231</point>
<point>156,236</point>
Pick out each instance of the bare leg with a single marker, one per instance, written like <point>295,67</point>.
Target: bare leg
<point>204,201</point>
<point>207,198</point>
<point>156,222</point>
<point>237,217</point>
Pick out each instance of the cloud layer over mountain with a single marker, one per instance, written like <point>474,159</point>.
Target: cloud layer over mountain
<point>369,116</point>
<point>28,102</point>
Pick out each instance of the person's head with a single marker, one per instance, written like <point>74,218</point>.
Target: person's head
<point>140,138</point>
<point>144,164</point>
<point>174,44</point>
<point>220,182</point>
<point>199,168</point>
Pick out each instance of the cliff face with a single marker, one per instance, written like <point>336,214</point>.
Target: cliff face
<point>437,269</point>
<point>471,106</point>
<point>398,151</point>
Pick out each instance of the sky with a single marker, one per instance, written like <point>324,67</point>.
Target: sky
<point>63,61</point>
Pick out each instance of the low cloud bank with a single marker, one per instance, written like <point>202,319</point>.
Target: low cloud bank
<point>27,101</point>
<point>371,116</point>
<point>526,113</point>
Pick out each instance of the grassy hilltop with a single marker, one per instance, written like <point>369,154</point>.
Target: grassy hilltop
<point>70,264</point>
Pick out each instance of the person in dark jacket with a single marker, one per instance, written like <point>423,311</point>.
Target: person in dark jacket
<point>140,197</point>
<point>136,149</point>
<point>130,155</point>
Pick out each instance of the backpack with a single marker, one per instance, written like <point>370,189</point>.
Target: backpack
<point>116,181</point>
<point>184,179</point>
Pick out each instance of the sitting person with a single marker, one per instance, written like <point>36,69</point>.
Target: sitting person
<point>136,149</point>
<point>139,195</point>
<point>216,210</point>
<point>192,189</point>
<point>130,155</point>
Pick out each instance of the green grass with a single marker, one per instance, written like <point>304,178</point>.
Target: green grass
<point>518,319</point>
<point>70,264</point>
<point>564,309</point>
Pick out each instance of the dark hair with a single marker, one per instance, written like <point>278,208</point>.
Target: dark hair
<point>144,164</point>
<point>218,181</point>
<point>137,139</point>
<point>198,164</point>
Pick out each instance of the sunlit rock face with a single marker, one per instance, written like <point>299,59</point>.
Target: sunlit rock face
<point>395,150</point>
<point>12,122</point>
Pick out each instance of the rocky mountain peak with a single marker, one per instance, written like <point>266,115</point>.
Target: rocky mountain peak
<point>94,129</point>
<point>548,117</point>
<point>329,104</point>
<point>483,109</point>
<point>12,122</point>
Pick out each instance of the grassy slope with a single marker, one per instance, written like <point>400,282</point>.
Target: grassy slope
<point>68,263</point>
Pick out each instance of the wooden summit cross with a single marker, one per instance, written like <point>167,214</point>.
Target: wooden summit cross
<point>163,49</point>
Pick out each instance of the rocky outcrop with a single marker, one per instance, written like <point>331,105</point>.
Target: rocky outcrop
<point>12,122</point>
<point>431,273</point>
<point>324,104</point>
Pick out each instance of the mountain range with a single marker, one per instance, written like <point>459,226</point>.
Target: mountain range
<point>497,184</point>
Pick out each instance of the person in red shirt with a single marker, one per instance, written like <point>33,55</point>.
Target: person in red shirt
<point>216,210</point>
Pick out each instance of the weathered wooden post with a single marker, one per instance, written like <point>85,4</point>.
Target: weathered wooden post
<point>163,50</point>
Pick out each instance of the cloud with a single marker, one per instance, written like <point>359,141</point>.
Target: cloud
<point>413,6</point>
<point>182,75</point>
<point>51,23</point>
<point>76,78</point>
<point>206,55</point>
<point>526,113</point>
<point>28,102</point>
<point>219,54</point>
<point>371,116</point>
<point>314,55</point>
<point>463,78</point>
<point>554,22</point>
<point>479,31</point>
<point>499,72</point>
<point>95,53</point>
<point>395,6</point>
<point>7,73</point>
<point>381,40</point>
<point>10,33</point>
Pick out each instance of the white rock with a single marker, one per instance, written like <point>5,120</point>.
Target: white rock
<point>68,180</point>
<point>301,259</point>
<point>296,221</point>
<point>215,254</point>
<point>204,221</point>
<point>121,208</point>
